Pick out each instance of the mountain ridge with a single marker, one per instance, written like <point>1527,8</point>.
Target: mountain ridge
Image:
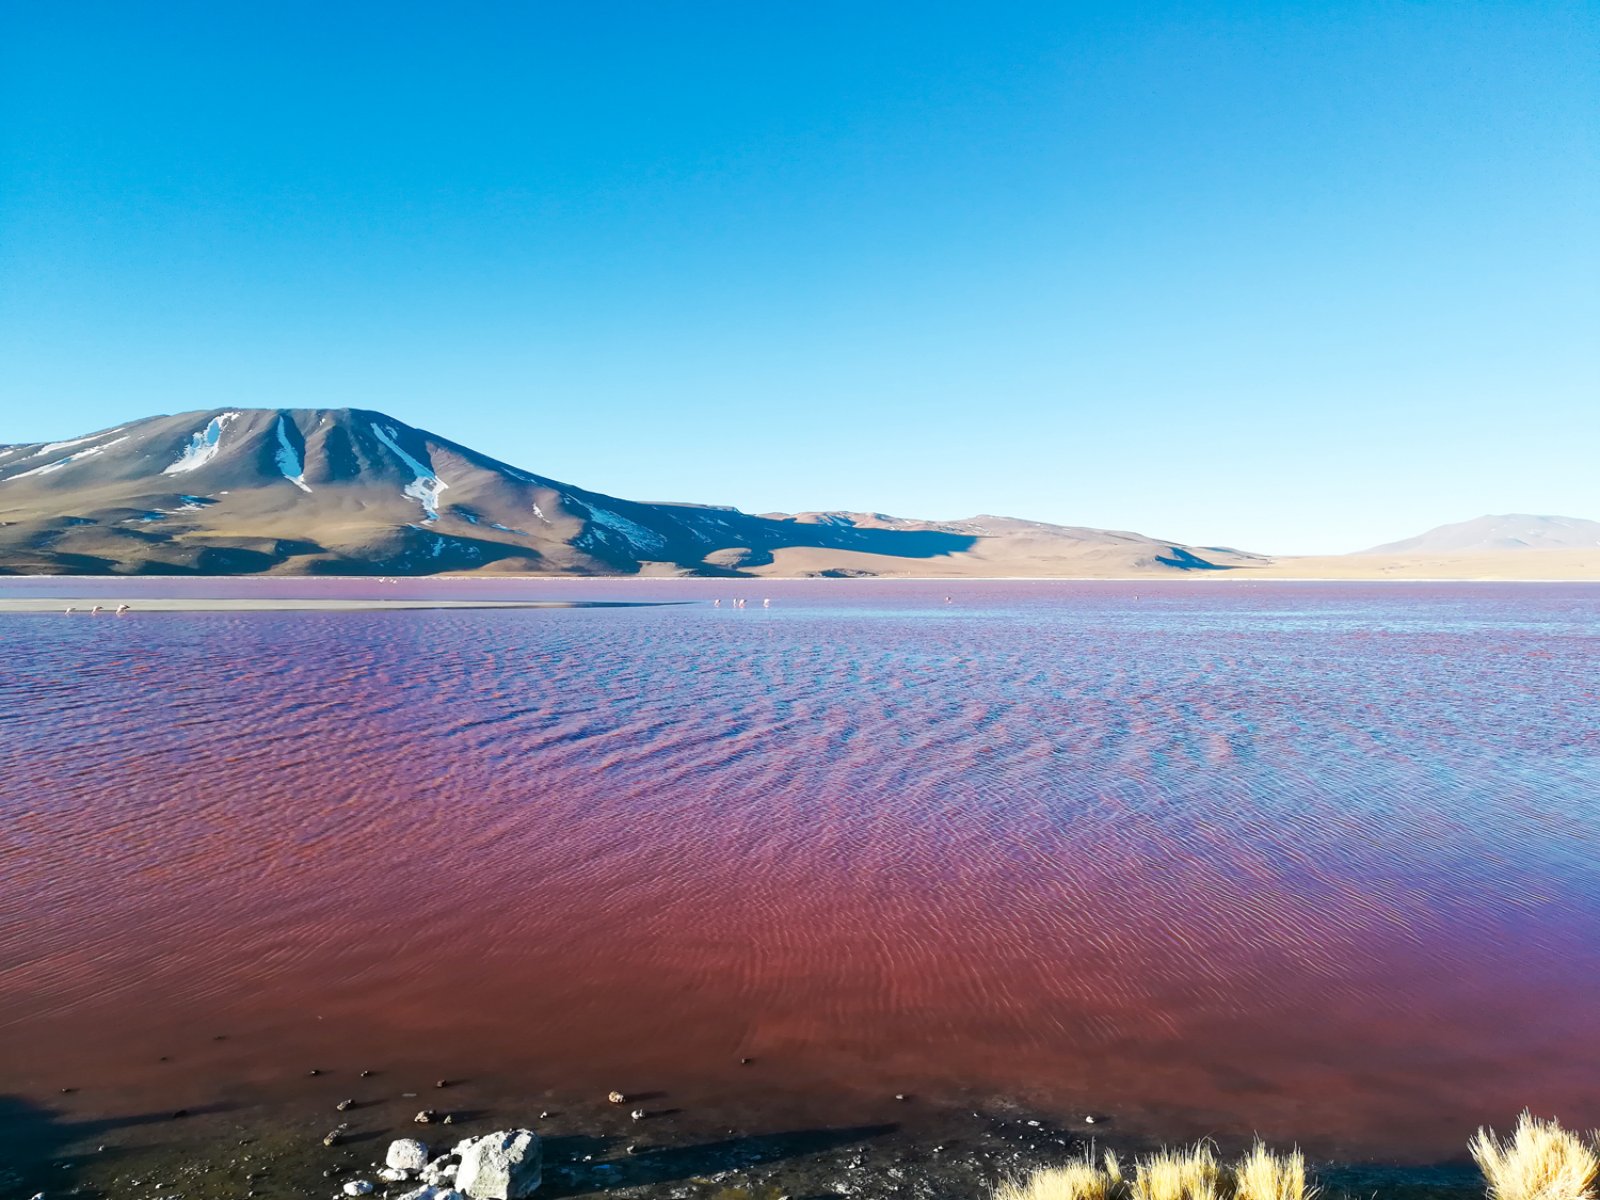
<point>1515,532</point>
<point>354,491</point>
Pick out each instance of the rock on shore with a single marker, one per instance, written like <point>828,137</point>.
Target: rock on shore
<point>500,1166</point>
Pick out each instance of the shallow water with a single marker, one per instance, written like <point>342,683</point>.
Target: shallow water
<point>1314,860</point>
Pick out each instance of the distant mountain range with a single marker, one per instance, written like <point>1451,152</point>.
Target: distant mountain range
<point>1511,531</point>
<point>354,492</point>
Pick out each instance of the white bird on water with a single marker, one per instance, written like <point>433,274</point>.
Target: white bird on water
<point>767,603</point>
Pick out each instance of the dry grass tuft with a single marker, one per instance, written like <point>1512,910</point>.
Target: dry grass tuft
<point>1113,1170</point>
<point>1263,1175</point>
<point>1540,1161</point>
<point>1190,1174</point>
<point>1075,1181</point>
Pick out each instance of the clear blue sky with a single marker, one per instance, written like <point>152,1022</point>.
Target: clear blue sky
<point>1299,278</point>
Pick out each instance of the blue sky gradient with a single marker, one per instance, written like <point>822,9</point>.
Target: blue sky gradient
<point>1299,278</point>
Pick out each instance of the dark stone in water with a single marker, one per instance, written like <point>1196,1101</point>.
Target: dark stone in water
<point>182,1112</point>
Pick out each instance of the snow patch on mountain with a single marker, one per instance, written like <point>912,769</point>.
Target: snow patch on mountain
<point>613,525</point>
<point>426,487</point>
<point>53,447</point>
<point>288,461</point>
<point>203,446</point>
<point>47,468</point>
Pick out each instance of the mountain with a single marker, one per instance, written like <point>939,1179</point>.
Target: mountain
<point>347,491</point>
<point>1510,531</point>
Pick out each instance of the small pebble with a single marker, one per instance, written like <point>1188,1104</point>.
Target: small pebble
<point>441,1083</point>
<point>343,1105</point>
<point>366,1074</point>
<point>425,1116</point>
<point>545,1115</point>
<point>637,1114</point>
<point>68,1091</point>
<point>449,1119</point>
<point>1088,1120</point>
<point>616,1098</point>
<point>313,1071</point>
<point>899,1095</point>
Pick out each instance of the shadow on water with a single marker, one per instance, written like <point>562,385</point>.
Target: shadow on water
<point>566,1174</point>
<point>40,1149</point>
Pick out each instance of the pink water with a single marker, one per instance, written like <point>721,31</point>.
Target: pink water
<point>1317,861</point>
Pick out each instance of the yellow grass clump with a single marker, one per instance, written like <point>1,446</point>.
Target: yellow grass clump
<point>1540,1161</point>
<point>1263,1175</point>
<point>1076,1181</point>
<point>1191,1174</point>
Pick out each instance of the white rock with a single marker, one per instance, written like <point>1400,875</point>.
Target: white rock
<point>395,1175</point>
<point>406,1154</point>
<point>464,1145</point>
<point>439,1171</point>
<point>359,1187</point>
<point>504,1165</point>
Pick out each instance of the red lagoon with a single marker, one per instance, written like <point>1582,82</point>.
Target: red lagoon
<point>1313,860</point>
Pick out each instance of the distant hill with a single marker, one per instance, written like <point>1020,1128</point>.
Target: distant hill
<point>349,491</point>
<point>1511,531</point>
